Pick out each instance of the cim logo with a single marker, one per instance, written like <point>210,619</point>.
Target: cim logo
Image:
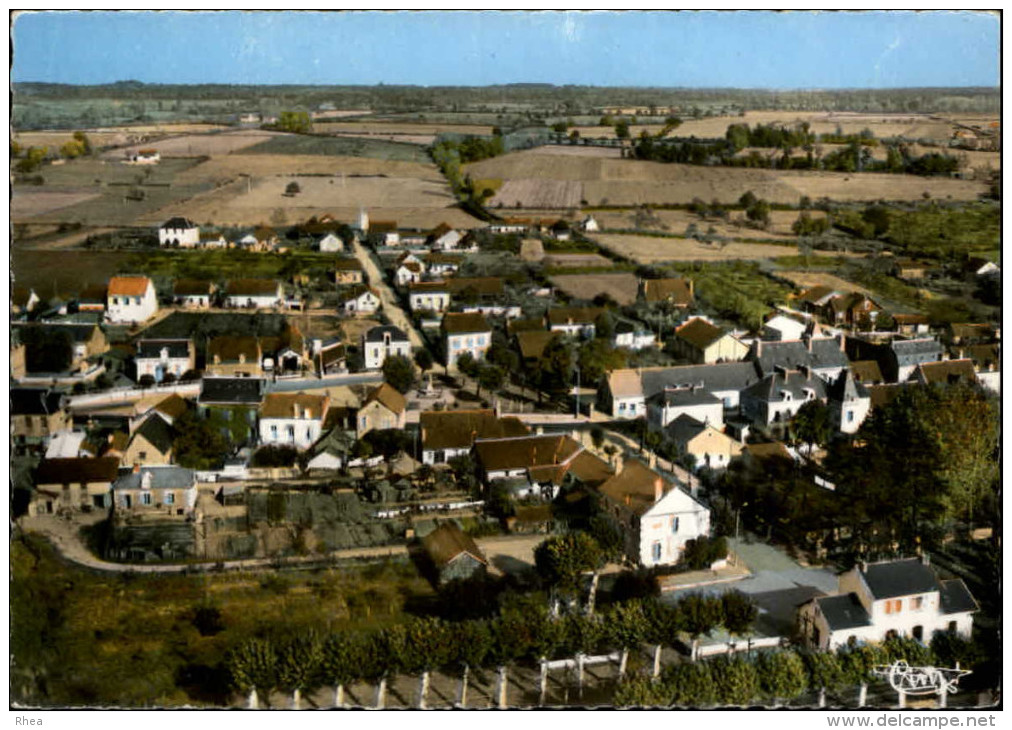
<point>920,680</point>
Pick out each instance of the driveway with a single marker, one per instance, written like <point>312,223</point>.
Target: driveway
<point>391,306</point>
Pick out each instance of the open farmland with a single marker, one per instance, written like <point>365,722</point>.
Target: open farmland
<point>572,150</point>
<point>537,193</point>
<point>424,140</point>
<point>633,182</point>
<point>27,203</point>
<point>621,287</point>
<point>300,144</point>
<point>378,127</point>
<point>678,222</point>
<point>197,145</point>
<point>228,167</point>
<point>111,136</point>
<point>652,249</point>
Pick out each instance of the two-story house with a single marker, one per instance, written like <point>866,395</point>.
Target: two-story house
<point>130,299</point>
<point>166,490</point>
<point>348,271</point>
<point>159,358</point>
<point>73,484</point>
<point>534,465</point>
<point>577,321</point>
<point>891,598</point>
<point>695,401</point>
<point>655,516</point>
<point>292,419</point>
<point>37,414</point>
<point>234,355</point>
<point>150,443</point>
<point>465,333</point>
<point>384,408</point>
<point>778,397</point>
<point>379,343</point>
<point>179,232</point>
<point>447,435</point>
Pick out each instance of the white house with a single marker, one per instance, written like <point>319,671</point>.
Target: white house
<point>254,293</point>
<point>781,327</point>
<point>631,337</point>
<point>465,333</point>
<point>890,598</point>
<point>656,517</point>
<point>438,263</point>
<point>192,293</point>
<point>144,157</point>
<point>379,343</point>
<point>213,239</point>
<point>130,299</point>
<point>359,300</point>
<point>159,358</point>
<point>589,225</point>
<point>778,397</point>
<point>386,232</point>
<point>292,419</point>
<point>535,465</point>
<point>624,393</point>
<point>171,490</point>
<point>444,238</point>
<point>429,296</point>
<point>180,232</point>
<point>696,402</point>
<point>849,402</point>
<point>409,272</point>
<point>576,321</point>
<point>331,243</point>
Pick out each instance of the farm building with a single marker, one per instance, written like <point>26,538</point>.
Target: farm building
<point>130,299</point>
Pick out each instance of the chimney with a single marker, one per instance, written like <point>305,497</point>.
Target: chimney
<point>137,468</point>
<point>843,342</point>
<point>658,488</point>
<point>758,347</point>
<point>618,463</point>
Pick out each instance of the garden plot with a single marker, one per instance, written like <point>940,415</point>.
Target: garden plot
<point>621,287</point>
<point>650,249</point>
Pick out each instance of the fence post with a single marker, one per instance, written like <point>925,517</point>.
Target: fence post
<point>657,661</point>
<point>623,662</point>
<point>339,696</point>
<point>462,695</point>
<point>251,701</point>
<point>381,693</point>
<point>543,685</point>
<point>500,691</point>
<point>901,700</point>
<point>423,689</point>
<point>579,673</point>
<point>862,695</point>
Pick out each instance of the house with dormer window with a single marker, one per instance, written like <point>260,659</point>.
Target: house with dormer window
<point>292,419</point>
<point>876,601</point>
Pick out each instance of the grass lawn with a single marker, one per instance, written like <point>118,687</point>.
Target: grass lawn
<point>81,638</point>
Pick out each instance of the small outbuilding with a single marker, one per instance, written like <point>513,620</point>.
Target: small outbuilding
<point>454,554</point>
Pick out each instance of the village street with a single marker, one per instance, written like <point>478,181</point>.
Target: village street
<point>390,305</point>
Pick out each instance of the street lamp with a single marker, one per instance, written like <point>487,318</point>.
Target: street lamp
<point>737,515</point>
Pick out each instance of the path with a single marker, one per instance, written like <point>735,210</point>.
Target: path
<point>391,307</point>
<point>509,553</point>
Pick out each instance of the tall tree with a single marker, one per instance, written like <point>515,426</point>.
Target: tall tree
<point>399,372</point>
<point>561,560</point>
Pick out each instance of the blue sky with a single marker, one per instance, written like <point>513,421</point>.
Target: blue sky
<point>694,49</point>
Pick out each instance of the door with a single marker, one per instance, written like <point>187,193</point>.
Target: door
<point>918,632</point>
<point>127,501</point>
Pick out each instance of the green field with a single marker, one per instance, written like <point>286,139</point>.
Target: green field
<point>340,147</point>
<point>131,640</point>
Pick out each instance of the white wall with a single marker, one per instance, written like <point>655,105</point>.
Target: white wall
<point>424,301</point>
<point>376,353</point>
<point>259,302</point>
<point>656,527</point>
<point>305,432</point>
<point>132,309</point>
<point>475,343</point>
<point>187,237</point>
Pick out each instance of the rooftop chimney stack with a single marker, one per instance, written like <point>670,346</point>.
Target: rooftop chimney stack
<point>658,488</point>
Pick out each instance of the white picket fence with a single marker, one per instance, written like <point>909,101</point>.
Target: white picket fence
<point>764,642</point>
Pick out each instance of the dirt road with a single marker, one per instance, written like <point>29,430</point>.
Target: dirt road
<point>390,304</point>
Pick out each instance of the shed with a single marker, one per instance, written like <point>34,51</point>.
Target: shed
<point>454,554</point>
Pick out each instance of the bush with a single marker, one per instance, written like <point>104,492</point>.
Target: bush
<point>273,455</point>
<point>703,551</point>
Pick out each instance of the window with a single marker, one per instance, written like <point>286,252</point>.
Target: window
<point>850,416</point>
<point>115,300</point>
<point>674,525</point>
<point>632,407</point>
<point>917,603</point>
<point>621,407</point>
<point>481,340</point>
<point>142,455</point>
<point>137,301</point>
<point>470,341</point>
<point>145,497</point>
<point>274,433</point>
<point>290,431</point>
<point>28,422</point>
<point>656,552</point>
<point>894,606</point>
<point>363,422</point>
<point>169,498</point>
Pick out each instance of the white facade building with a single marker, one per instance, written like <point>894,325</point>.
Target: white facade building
<point>292,419</point>
<point>902,598</point>
<point>159,358</point>
<point>180,232</point>
<point>466,333</point>
<point>331,243</point>
<point>130,299</point>
<point>379,343</point>
<point>429,296</point>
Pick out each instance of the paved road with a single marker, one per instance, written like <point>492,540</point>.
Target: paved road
<point>391,306</point>
<point>281,386</point>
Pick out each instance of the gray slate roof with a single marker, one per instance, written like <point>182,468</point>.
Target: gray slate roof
<point>376,334</point>
<point>900,578</point>
<point>153,348</point>
<point>684,428</point>
<point>955,597</point>
<point>911,352</point>
<point>846,388</point>
<point>792,354</point>
<point>843,612</point>
<point>770,389</point>
<point>157,432</point>
<point>685,397</point>
<point>232,390</point>
<point>717,377</point>
<point>162,477</point>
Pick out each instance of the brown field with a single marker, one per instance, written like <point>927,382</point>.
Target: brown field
<point>422,139</point>
<point>376,127</point>
<point>229,167</point>
<point>620,287</point>
<point>580,151</point>
<point>111,136</point>
<point>632,182</point>
<point>648,249</point>
<point>576,260</point>
<point>28,203</point>
<point>808,279</point>
<point>677,221</point>
<point>198,145</point>
<point>537,193</point>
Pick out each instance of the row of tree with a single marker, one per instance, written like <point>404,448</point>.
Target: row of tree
<point>523,631</point>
